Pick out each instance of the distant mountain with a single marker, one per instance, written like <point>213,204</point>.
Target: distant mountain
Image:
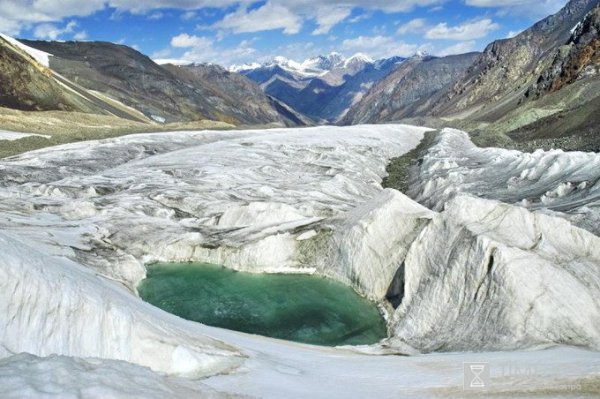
<point>323,63</point>
<point>234,96</point>
<point>410,89</point>
<point>162,93</point>
<point>540,87</point>
<point>323,87</point>
<point>311,67</point>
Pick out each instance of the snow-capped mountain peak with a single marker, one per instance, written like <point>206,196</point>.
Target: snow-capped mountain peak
<point>324,63</point>
<point>358,58</point>
<point>244,67</point>
<point>322,87</point>
<point>287,63</point>
<point>315,66</point>
<point>357,63</point>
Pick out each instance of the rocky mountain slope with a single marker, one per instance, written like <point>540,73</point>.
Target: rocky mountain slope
<point>323,87</point>
<point>235,96</point>
<point>161,93</point>
<point>410,89</point>
<point>29,84</point>
<point>568,89</point>
<point>500,76</point>
<point>538,89</point>
<point>577,59</point>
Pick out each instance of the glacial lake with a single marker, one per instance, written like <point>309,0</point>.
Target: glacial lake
<point>299,308</point>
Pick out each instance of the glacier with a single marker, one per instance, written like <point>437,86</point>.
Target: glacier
<point>489,250</point>
<point>565,184</point>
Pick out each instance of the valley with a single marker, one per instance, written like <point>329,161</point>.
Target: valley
<point>410,225</point>
<point>535,90</point>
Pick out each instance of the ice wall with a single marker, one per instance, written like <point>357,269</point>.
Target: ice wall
<point>55,306</point>
<point>565,183</point>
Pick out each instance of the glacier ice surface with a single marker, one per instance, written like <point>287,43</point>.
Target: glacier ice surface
<point>566,184</point>
<point>497,262</point>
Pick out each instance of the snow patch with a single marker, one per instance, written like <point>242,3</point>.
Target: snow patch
<point>158,119</point>
<point>38,55</point>
<point>11,136</point>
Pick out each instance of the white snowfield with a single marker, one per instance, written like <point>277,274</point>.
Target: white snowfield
<point>29,376</point>
<point>78,222</point>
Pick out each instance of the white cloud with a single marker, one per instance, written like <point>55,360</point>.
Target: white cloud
<point>53,32</point>
<point>156,16</point>
<point>466,31</point>
<point>290,15</point>
<point>185,40</point>
<point>189,15</point>
<point>80,36</point>
<point>293,51</point>
<point>16,15</point>
<point>9,27</point>
<point>268,17</point>
<point>496,3</point>
<point>381,46</point>
<point>161,54</point>
<point>513,33</point>
<point>29,12</point>
<point>515,3</point>
<point>382,5</point>
<point>458,48</point>
<point>360,17</point>
<point>327,18</point>
<point>140,7</point>
<point>412,26</point>
<point>532,9</point>
<point>202,49</point>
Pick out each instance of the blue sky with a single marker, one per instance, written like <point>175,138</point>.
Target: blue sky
<point>232,31</point>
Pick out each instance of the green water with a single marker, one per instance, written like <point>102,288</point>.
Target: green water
<point>293,307</point>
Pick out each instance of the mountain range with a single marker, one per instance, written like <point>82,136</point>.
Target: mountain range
<point>540,88</point>
<point>409,89</point>
<point>106,78</point>
<point>29,84</point>
<point>323,88</point>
